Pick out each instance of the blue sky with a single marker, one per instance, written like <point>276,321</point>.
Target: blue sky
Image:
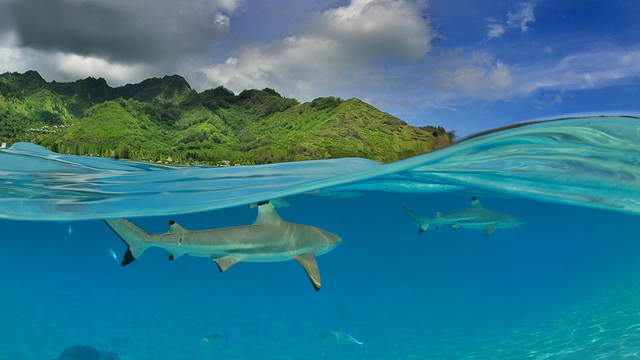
<point>466,65</point>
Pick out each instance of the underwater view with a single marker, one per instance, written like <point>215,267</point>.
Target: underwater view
<point>520,243</point>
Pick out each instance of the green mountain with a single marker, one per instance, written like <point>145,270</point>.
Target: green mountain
<point>164,118</point>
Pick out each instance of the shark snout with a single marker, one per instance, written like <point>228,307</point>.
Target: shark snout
<point>511,223</point>
<point>331,240</point>
<point>334,240</point>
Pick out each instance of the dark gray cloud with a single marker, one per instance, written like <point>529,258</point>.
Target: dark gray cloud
<point>119,30</point>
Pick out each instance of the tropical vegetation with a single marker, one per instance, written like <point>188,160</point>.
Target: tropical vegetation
<point>165,120</point>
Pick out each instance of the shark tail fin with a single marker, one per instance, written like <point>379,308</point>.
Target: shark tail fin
<point>362,344</point>
<point>422,220</point>
<point>134,236</point>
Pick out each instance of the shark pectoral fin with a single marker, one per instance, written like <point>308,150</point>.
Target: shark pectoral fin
<point>310,266</point>
<point>225,262</point>
<point>490,229</point>
<point>455,226</point>
<point>174,255</point>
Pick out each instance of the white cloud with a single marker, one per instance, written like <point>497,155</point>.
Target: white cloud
<point>76,66</point>
<point>582,71</point>
<point>495,30</point>
<point>478,77</point>
<point>9,52</point>
<point>377,28</point>
<point>334,49</point>
<point>520,17</point>
<point>456,79</point>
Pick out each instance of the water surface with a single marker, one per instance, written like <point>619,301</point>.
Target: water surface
<point>564,285</point>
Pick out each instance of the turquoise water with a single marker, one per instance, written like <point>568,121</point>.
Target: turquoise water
<point>563,285</point>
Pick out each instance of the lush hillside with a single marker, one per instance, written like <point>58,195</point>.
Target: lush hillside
<point>160,119</point>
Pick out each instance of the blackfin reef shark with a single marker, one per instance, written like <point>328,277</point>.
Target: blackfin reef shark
<point>268,239</point>
<point>474,217</point>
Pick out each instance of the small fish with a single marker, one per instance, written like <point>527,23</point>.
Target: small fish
<point>213,339</point>
<point>341,338</point>
<point>70,229</point>
<point>114,256</point>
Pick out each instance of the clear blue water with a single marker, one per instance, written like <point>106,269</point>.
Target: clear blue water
<point>564,285</point>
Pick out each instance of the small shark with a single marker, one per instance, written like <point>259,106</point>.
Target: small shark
<point>268,239</point>
<point>475,217</point>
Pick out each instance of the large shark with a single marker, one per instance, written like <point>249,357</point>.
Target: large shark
<point>268,239</point>
<point>475,217</point>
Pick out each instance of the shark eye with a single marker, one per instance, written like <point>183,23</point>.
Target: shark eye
<point>180,241</point>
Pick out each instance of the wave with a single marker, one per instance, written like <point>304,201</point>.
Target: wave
<point>584,161</point>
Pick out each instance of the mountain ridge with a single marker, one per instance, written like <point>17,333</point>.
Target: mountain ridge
<point>162,119</point>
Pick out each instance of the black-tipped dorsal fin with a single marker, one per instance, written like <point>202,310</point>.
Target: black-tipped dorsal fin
<point>267,214</point>
<point>225,262</point>
<point>310,266</point>
<point>475,203</point>
<point>174,227</point>
<point>278,203</point>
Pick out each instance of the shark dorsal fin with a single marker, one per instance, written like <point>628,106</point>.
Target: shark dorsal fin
<point>174,227</point>
<point>475,203</point>
<point>267,214</point>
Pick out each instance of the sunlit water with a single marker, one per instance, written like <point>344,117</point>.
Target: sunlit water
<point>564,285</point>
